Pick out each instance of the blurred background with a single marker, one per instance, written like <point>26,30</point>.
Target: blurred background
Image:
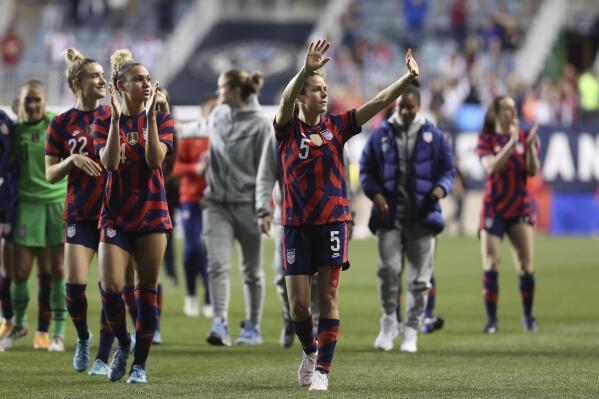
<point>542,53</point>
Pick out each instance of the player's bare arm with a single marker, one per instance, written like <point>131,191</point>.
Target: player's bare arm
<point>532,158</point>
<point>384,98</point>
<point>57,169</point>
<point>155,150</point>
<point>314,60</point>
<point>110,154</point>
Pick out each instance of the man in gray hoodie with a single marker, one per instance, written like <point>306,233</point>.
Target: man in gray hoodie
<point>238,130</point>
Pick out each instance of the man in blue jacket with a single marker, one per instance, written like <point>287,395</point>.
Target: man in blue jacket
<point>405,169</point>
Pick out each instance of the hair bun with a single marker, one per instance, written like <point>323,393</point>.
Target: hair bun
<point>72,55</point>
<point>119,58</point>
<point>257,81</point>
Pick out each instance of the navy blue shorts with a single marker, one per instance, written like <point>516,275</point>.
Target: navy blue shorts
<point>82,233</point>
<point>124,239</point>
<point>306,248</point>
<point>498,225</point>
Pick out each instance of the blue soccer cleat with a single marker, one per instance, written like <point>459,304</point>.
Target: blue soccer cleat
<point>118,365</point>
<point>137,375</point>
<point>98,368</point>
<point>82,356</point>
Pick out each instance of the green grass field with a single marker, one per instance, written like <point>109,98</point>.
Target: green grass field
<point>561,360</point>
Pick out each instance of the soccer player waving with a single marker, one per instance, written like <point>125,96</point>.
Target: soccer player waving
<point>315,204</point>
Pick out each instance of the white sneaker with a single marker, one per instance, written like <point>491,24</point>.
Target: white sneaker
<point>207,311</point>
<point>306,369</point>
<point>410,338</point>
<point>191,307</point>
<point>389,331</point>
<point>320,382</point>
<point>56,344</point>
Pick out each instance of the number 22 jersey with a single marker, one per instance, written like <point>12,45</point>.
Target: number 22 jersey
<point>71,133</point>
<point>135,197</point>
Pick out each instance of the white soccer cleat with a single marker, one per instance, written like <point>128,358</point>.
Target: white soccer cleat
<point>191,307</point>
<point>389,331</point>
<point>410,338</point>
<point>56,344</point>
<point>306,369</point>
<point>320,382</point>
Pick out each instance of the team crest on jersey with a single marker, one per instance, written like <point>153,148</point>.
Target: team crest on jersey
<point>291,256</point>
<point>3,128</point>
<point>427,137</point>
<point>71,230</point>
<point>519,148</point>
<point>327,134</point>
<point>316,139</point>
<point>35,137</point>
<point>132,138</point>
<point>88,129</point>
<point>111,233</point>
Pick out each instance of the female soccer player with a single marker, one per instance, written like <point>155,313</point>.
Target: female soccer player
<point>237,130</point>
<point>509,155</point>
<point>70,152</point>
<point>315,204</point>
<point>134,221</point>
<point>38,230</point>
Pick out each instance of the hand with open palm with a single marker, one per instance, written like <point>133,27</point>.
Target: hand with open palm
<point>314,56</point>
<point>115,106</point>
<point>412,64</point>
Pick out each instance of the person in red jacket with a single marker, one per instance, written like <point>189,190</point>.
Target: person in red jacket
<point>190,165</point>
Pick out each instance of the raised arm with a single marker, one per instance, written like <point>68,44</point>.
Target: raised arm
<point>155,150</point>
<point>532,158</point>
<point>110,155</point>
<point>314,60</point>
<point>389,94</point>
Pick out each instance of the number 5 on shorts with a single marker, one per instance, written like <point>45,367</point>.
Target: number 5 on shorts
<point>335,242</point>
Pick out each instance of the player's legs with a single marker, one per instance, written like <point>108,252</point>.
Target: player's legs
<point>23,264</point>
<point>252,272</point>
<point>491,259</point>
<point>389,269</point>
<point>6,278</point>
<point>287,333</point>
<point>55,242</point>
<point>149,250</point>
<point>219,242</point>
<point>521,236</point>
<point>77,260</point>
<point>113,259</point>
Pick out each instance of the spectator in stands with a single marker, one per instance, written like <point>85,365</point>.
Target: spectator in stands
<point>55,42</point>
<point>588,89</point>
<point>415,12</point>
<point>458,15</point>
<point>11,47</point>
<point>147,50</point>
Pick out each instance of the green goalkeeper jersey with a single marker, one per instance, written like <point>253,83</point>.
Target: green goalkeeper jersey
<point>28,147</point>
